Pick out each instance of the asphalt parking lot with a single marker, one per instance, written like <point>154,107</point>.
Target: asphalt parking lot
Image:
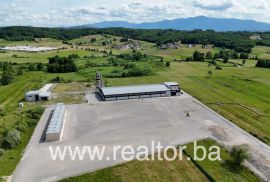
<point>135,123</point>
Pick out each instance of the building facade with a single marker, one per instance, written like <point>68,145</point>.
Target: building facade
<point>42,94</point>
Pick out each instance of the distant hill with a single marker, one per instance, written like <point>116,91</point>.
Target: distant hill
<point>200,22</point>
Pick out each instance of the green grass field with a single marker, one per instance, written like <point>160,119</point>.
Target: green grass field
<point>176,170</point>
<point>262,52</point>
<point>135,171</point>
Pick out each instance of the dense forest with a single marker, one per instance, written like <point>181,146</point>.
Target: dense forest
<point>239,41</point>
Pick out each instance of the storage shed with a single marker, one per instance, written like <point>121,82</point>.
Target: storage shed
<point>42,94</point>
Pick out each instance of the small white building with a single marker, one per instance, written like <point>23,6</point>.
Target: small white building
<point>42,94</point>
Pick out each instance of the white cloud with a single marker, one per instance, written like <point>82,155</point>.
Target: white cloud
<point>71,12</point>
<point>220,5</point>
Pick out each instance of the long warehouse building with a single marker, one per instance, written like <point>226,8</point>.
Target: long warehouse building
<point>139,91</point>
<point>54,130</point>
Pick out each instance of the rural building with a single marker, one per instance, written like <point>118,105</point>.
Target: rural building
<point>42,94</point>
<point>54,130</point>
<point>139,91</point>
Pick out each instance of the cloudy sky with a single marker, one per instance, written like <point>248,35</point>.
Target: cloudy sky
<point>78,12</point>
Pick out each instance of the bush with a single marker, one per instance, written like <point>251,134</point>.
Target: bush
<point>31,122</point>
<point>88,85</point>
<point>8,76</point>
<point>2,151</point>
<point>139,72</point>
<point>198,56</point>
<point>124,39</point>
<point>12,139</point>
<point>239,154</point>
<point>40,66</point>
<point>129,65</point>
<point>20,72</point>
<point>213,62</point>
<point>225,59</point>
<point>218,67</point>
<point>2,112</point>
<point>33,116</point>
<point>168,64</point>
<point>35,113</point>
<point>188,59</point>
<point>21,126</point>
<point>209,55</point>
<point>210,73</point>
<point>93,40</point>
<point>244,55</point>
<point>57,79</point>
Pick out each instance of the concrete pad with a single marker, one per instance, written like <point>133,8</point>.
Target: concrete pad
<point>131,122</point>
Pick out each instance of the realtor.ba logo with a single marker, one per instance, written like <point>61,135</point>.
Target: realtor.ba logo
<point>156,151</point>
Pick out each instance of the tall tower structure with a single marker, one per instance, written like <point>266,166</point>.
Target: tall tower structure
<point>99,83</point>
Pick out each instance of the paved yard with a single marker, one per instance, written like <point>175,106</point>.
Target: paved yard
<point>133,122</point>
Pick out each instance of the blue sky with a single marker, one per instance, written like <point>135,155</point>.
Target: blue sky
<point>78,12</point>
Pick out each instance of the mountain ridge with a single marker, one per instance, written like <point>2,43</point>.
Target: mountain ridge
<point>199,22</point>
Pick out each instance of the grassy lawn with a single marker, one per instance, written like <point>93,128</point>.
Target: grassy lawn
<point>135,171</point>
<point>224,170</point>
<point>24,57</point>
<point>262,52</point>
<point>181,53</point>
<point>69,87</point>
<point>177,170</point>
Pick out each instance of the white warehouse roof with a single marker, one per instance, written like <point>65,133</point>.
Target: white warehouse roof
<point>46,88</point>
<point>170,83</point>
<point>134,89</point>
<point>56,121</point>
<point>44,91</point>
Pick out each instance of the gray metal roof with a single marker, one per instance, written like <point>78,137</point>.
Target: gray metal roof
<point>56,121</point>
<point>33,92</point>
<point>134,89</point>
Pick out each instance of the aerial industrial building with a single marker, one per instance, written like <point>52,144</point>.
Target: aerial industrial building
<point>137,91</point>
<point>55,127</point>
<point>42,94</point>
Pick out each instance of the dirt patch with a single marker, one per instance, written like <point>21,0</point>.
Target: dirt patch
<point>260,162</point>
<point>220,133</point>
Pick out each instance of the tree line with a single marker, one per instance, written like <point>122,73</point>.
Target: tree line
<point>238,41</point>
<point>225,55</point>
<point>263,63</point>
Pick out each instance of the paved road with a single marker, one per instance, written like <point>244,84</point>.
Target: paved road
<point>135,123</point>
